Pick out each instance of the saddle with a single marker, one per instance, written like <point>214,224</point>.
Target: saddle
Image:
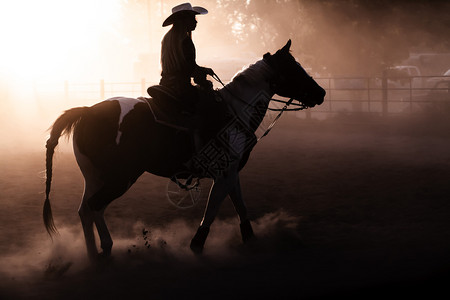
<point>206,114</point>
<point>169,110</point>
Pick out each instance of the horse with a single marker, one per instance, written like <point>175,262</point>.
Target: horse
<point>115,141</point>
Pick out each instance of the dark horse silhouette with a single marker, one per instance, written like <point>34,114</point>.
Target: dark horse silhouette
<point>117,140</point>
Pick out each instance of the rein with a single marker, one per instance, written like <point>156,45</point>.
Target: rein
<point>301,106</point>
<point>281,110</point>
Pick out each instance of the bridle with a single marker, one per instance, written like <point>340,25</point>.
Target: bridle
<point>300,105</point>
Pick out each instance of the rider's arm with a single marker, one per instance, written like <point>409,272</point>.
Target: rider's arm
<point>189,55</point>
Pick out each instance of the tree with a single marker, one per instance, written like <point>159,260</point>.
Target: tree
<point>341,37</point>
<point>364,37</point>
<point>344,37</point>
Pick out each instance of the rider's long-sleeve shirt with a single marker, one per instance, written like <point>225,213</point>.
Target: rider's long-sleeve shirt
<point>177,58</point>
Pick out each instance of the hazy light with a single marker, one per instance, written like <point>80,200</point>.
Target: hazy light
<point>49,39</point>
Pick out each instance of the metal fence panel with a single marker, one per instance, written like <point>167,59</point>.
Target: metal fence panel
<point>344,94</point>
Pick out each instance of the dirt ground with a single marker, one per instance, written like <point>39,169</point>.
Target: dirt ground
<point>353,206</point>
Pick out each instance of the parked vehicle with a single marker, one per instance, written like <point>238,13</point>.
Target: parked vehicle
<point>436,98</point>
<point>439,93</point>
<point>404,77</point>
<point>403,82</point>
<point>432,81</point>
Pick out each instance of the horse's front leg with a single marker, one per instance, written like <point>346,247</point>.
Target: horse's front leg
<point>219,190</point>
<point>241,209</point>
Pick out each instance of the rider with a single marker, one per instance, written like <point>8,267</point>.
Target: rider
<point>178,54</point>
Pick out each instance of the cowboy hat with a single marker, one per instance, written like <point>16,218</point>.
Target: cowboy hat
<point>184,8</point>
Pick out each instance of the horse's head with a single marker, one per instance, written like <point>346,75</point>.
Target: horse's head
<point>292,81</point>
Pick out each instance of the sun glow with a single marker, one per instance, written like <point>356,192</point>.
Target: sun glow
<point>50,39</point>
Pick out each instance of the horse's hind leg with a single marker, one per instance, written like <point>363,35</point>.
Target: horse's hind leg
<point>92,211</point>
<point>87,221</point>
<point>92,184</point>
<point>96,197</point>
<point>89,216</point>
<point>97,204</point>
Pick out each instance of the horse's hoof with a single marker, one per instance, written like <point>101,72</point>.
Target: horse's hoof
<point>196,248</point>
<point>247,231</point>
<point>104,256</point>
<point>198,241</point>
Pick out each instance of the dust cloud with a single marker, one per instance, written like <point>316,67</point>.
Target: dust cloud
<point>148,251</point>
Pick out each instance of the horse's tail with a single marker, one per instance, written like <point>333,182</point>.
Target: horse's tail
<point>63,125</point>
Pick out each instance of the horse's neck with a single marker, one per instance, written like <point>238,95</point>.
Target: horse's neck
<point>249,92</point>
<point>255,77</point>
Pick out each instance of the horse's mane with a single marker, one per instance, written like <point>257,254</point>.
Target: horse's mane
<point>253,73</point>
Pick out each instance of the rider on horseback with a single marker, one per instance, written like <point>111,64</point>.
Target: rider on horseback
<point>178,54</point>
<point>183,104</point>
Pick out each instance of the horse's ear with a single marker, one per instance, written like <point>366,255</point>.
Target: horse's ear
<point>287,46</point>
<point>268,58</point>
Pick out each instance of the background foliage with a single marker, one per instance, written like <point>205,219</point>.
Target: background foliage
<point>340,37</point>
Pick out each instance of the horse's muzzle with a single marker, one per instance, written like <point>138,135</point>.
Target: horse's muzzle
<point>322,96</point>
<point>314,99</point>
<point>318,99</point>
